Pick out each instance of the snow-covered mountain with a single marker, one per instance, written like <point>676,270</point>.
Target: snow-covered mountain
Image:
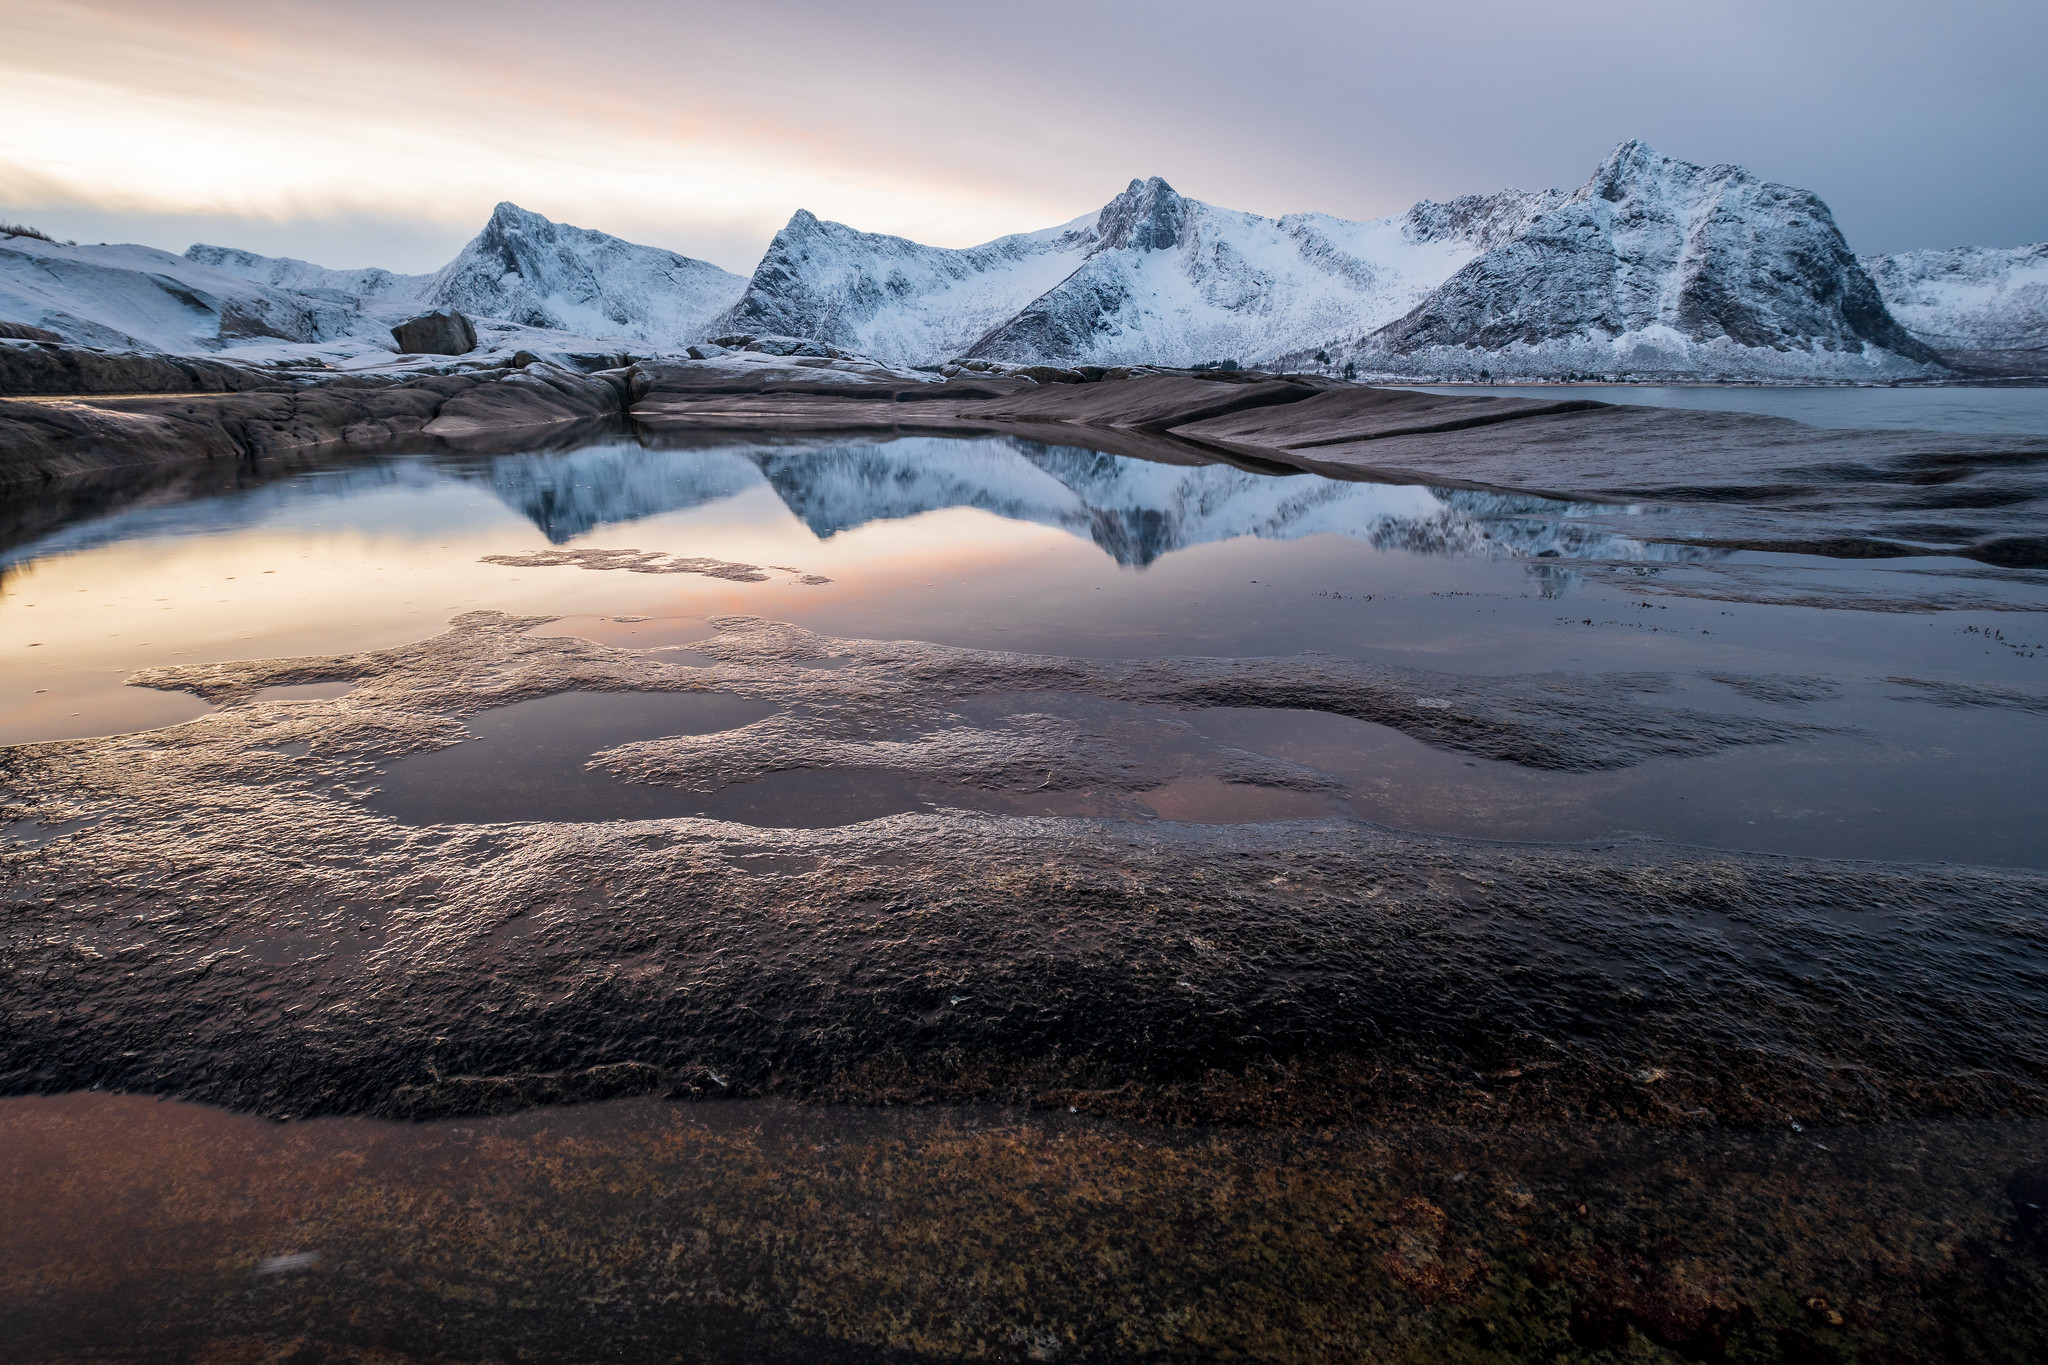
<point>897,300</point>
<point>1659,266</point>
<point>1152,278</point>
<point>537,280</point>
<point>1971,303</point>
<point>1654,266</point>
<point>526,269</point>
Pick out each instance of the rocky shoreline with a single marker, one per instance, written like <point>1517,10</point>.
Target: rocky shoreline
<point>1757,483</point>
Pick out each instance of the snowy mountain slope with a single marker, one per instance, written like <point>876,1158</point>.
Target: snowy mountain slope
<point>1173,281</point>
<point>1659,265</point>
<point>526,269</point>
<point>364,288</point>
<point>1151,278</point>
<point>528,282</point>
<point>139,298</point>
<point>1968,299</point>
<point>896,299</point>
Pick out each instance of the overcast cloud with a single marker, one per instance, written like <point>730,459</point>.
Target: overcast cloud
<point>381,132</point>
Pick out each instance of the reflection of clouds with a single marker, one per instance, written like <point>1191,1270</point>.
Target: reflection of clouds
<point>1135,510</point>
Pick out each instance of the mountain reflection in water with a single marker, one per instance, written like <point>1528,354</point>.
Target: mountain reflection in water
<point>1135,510</point>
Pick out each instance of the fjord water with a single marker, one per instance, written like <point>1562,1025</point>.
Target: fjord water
<point>997,543</point>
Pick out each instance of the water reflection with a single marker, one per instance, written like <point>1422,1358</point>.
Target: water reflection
<point>1136,511</point>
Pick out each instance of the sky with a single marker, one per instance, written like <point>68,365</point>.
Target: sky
<point>381,132</point>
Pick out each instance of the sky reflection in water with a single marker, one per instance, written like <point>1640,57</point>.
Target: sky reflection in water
<point>999,543</point>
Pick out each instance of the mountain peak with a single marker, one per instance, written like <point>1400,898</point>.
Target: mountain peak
<point>1636,168</point>
<point>1147,216</point>
<point>509,214</point>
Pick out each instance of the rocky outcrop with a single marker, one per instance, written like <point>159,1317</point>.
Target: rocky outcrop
<point>441,332</point>
<point>48,440</point>
<point>41,367</point>
<point>21,331</point>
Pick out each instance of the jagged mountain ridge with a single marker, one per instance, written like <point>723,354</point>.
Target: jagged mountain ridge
<point>529,270</point>
<point>1657,264</point>
<point>1152,278</point>
<point>1654,268</point>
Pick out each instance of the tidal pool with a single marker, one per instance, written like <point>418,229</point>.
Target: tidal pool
<point>1918,680</point>
<point>1206,914</point>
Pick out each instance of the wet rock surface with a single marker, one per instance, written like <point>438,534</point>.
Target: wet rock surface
<point>163,937</point>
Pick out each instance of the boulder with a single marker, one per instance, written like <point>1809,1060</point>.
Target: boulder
<point>1050,374</point>
<point>441,332</point>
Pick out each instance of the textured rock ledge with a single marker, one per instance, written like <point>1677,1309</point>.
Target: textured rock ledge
<point>163,937</point>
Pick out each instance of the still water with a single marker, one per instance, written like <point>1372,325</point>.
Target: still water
<point>2020,410</point>
<point>1003,544</point>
